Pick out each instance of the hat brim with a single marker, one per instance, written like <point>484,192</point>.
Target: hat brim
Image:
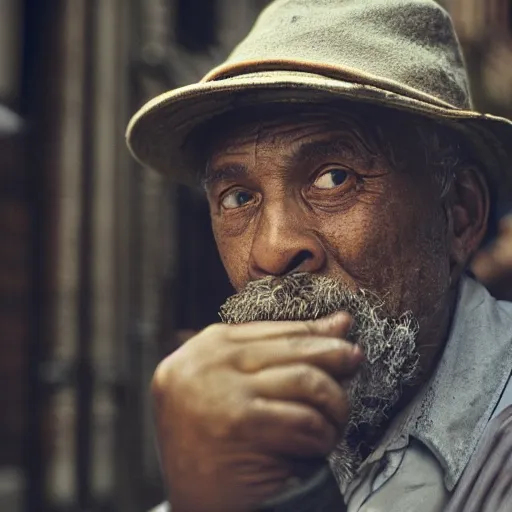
<point>158,134</point>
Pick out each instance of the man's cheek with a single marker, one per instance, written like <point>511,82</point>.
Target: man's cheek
<point>235,259</point>
<point>365,249</point>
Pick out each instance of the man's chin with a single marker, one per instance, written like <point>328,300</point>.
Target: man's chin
<point>388,342</point>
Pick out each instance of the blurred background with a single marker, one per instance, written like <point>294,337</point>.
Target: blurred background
<point>104,268</point>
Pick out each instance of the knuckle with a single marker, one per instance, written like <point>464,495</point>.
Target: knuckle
<point>308,327</point>
<point>304,328</point>
<point>319,431</point>
<point>313,424</point>
<point>315,383</point>
<point>214,330</point>
<point>319,345</point>
<point>176,373</point>
<point>302,344</point>
<point>160,379</point>
<point>342,355</point>
<point>242,359</point>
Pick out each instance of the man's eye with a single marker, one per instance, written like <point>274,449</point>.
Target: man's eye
<point>236,199</point>
<point>331,179</point>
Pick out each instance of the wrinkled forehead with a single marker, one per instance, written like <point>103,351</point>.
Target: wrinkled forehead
<point>285,123</point>
<point>284,135</point>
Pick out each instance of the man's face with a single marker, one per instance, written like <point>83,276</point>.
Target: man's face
<point>317,200</point>
<point>309,191</point>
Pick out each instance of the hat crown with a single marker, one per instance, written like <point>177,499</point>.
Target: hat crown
<point>411,43</point>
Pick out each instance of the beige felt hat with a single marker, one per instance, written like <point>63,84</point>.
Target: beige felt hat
<point>402,54</point>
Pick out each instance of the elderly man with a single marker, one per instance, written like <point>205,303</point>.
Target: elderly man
<point>349,183</point>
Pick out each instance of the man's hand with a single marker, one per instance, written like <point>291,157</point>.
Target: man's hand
<point>236,405</point>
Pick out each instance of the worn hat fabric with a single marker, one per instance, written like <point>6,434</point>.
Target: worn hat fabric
<point>401,54</point>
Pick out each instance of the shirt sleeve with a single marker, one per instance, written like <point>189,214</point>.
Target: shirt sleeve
<point>417,485</point>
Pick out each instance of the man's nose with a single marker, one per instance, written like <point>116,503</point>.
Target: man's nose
<point>284,244</point>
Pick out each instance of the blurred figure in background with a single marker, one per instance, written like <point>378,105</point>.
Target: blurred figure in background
<point>493,264</point>
<point>485,29</point>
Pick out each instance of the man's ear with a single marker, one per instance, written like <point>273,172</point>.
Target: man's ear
<point>468,213</point>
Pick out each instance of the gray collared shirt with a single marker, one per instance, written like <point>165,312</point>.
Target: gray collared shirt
<point>424,452</point>
<point>427,447</point>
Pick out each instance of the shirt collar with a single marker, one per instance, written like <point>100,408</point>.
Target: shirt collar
<point>451,412</point>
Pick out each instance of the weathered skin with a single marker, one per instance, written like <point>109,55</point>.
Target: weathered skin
<point>236,404</point>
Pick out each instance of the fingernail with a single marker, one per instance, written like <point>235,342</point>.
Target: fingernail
<point>357,351</point>
<point>338,317</point>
